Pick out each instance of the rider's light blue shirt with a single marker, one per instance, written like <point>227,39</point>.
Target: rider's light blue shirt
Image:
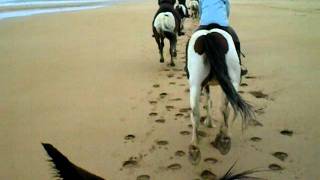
<point>214,11</point>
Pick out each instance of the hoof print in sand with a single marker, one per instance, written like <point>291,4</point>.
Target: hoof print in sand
<point>250,77</point>
<point>208,175</point>
<point>211,160</point>
<point>143,177</point>
<point>275,167</point>
<point>160,121</point>
<point>179,153</point>
<point>255,139</point>
<point>259,94</point>
<point>184,110</point>
<point>280,155</point>
<point>179,115</point>
<point>187,90</point>
<point>162,142</point>
<point>153,114</point>
<point>175,99</point>
<point>240,92</point>
<point>243,84</point>
<point>172,83</point>
<point>130,163</point>
<point>170,75</point>
<point>169,108</point>
<point>286,132</point>
<point>185,133</point>
<point>129,137</point>
<point>153,102</point>
<point>156,85</point>
<point>163,95</point>
<point>174,166</point>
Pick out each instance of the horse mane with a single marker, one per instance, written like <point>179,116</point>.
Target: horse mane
<point>64,168</point>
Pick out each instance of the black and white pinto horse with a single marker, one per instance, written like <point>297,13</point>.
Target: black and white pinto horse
<point>66,170</point>
<point>194,8</point>
<point>212,60</point>
<point>165,25</point>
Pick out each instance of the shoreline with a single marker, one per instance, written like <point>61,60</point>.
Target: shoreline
<point>25,9</point>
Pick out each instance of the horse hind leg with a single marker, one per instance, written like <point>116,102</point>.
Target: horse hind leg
<point>194,151</point>
<point>208,121</point>
<point>161,45</point>
<point>173,51</point>
<point>223,140</point>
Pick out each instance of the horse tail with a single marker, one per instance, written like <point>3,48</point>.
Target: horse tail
<point>164,22</point>
<point>66,169</point>
<point>215,46</point>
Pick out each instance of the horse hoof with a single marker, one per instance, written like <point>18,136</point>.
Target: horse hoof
<point>208,123</point>
<point>222,143</point>
<point>174,54</point>
<point>161,60</point>
<point>194,155</point>
<point>172,64</point>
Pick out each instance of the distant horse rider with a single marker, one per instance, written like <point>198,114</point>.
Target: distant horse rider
<point>168,6</point>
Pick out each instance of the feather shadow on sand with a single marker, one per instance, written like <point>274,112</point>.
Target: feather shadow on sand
<point>66,170</point>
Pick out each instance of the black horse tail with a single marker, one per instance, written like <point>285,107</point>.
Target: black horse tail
<point>65,169</point>
<point>215,46</point>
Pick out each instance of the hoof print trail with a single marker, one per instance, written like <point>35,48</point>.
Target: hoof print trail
<point>162,143</point>
<point>163,95</point>
<point>280,155</point>
<point>275,167</point>
<point>255,139</point>
<point>286,132</point>
<point>143,177</point>
<point>153,102</point>
<point>130,163</point>
<point>179,115</point>
<point>129,137</point>
<point>259,94</point>
<point>208,175</point>
<point>160,121</point>
<point>243,84</point>
<point>185,133</point>
<point>156,85</point>
<point>179,153</point>
<point>153,114</point>
<point>174,166</point>
<point>250,77</point>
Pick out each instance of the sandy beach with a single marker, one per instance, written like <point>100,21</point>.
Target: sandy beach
<point>83,81</point>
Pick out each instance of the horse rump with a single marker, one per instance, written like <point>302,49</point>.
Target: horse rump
<point>215,46</point>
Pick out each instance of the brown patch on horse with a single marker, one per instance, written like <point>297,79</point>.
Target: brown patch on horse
<point>220,41</point>
<point>199,45</point>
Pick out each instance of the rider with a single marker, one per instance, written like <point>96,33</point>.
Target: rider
<point>215,14</point>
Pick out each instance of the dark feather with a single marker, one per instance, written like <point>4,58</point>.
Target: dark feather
<point>242,175</point>
<point>66,169</point>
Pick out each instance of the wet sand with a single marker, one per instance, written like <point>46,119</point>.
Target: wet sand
<point>91,84</point>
